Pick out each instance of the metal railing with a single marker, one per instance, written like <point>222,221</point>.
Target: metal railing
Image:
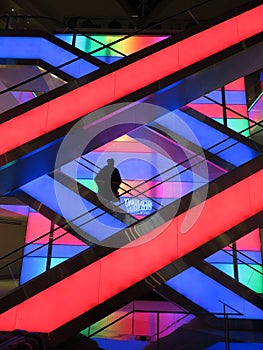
<point>109,46</point>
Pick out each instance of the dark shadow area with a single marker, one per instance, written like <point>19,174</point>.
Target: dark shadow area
<point>79,342</point>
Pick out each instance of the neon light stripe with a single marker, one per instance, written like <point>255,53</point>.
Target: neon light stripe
<point>122,268</point>
<point>85,99</point>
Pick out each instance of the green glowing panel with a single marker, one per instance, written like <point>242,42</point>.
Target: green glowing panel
<point>250,277</point>
<point>120,49</point>
<point>237,124</point>
<point>86,44</point>
<point>57,261</point>
<point>226,268</point>
<point>89,183</point>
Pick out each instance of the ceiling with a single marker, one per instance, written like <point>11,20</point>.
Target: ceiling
<point>130,13</point>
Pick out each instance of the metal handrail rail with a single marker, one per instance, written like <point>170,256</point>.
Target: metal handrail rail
<point>242,261</point>
<point>137,32</point>
<point>186,313</point>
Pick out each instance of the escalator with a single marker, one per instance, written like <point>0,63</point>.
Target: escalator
<point>165,238</point>
<point>185,170</point>
<point>194,76</point>
<point>163,245</point>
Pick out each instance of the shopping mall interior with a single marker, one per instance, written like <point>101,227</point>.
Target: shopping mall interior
<point>130,201</point>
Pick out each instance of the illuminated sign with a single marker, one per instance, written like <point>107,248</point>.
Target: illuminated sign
<point>138,206</point>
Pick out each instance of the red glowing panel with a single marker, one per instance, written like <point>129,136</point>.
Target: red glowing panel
<point>198,47</point>
<point>237,85</point>
<point>85,99</point>
<point>122,268</point>
<point>65,239</point>
<point>247,23</point>
<point>210,110</point>
<point>249,242</point>
<point>154,189</point>
<point>126,146</point>
<point>37,225</point>
<point>241,109</point>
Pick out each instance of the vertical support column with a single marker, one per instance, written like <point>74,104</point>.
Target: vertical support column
<point>158,331</point>
<point>235,260</point>
<point>50,245</point>
<point>223,94</point>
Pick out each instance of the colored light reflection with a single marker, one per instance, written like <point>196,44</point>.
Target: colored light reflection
<point>123,48</point>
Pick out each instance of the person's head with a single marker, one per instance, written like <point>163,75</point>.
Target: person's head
<point>110,162</point>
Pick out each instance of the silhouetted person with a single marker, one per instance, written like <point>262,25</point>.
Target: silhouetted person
<point>114,24</point>
<point>87,23</point>
<point>108,181</point>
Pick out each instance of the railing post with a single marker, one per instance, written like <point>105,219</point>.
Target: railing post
<point>158,330</point>
<point>133,319</point>
<point>223,94</point>
<point>50,246</point>
<point>227,344</point>
<point>7,22</point>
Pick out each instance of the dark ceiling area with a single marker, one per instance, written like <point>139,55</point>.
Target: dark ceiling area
<point>98,15</point>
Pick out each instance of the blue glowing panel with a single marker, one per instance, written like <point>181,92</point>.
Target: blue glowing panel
<point>226,268</point>
<point>32,267</point>
<point>105,343</point>
<point>133,166</point>
<point>74,208</point>
<point>36,249</point>
<point>215,95</point>
<point>223,256</point>
<point>248,257</point>
<point>66,251</point>
<point>236,98</point>
<point>236,346</point>
<point>220,257</point>
<point>197,132</point>
<point>40,48</point>
<point>209,294</point>
<point>140,171</point>
<point>68,38</point>
<point>109,59</point>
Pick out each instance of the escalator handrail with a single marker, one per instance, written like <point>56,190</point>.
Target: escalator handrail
<point>136,32</point>
<point>139,31</point>
<point>242,261</point>
<point>260,123</point>
<point>245,255</point>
